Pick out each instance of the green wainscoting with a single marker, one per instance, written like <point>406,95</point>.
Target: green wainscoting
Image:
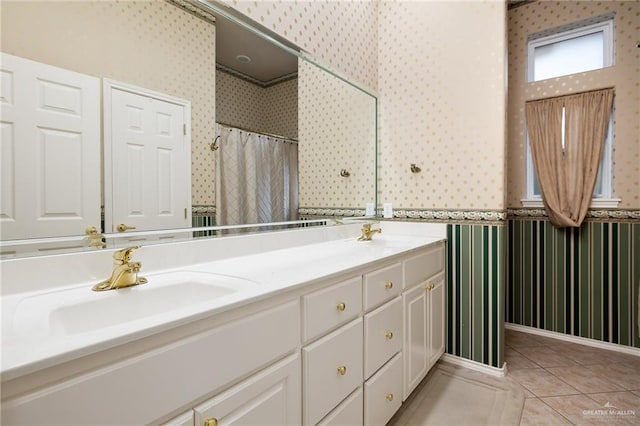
<point>578,281</point>
<point>475,292</point>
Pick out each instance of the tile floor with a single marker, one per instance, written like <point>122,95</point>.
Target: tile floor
<point>563,384</point>
<point>567,383</point>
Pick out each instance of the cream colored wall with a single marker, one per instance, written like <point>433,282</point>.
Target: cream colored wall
<point>624,76</point>
<point>151,44</point>
<point>442,104</point>
<point>272,109</point>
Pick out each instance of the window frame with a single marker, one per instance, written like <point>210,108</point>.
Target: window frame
<point>608,48</point>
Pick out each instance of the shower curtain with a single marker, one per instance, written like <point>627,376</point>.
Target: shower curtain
<point>256,178</point>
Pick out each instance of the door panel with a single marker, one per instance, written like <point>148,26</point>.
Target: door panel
<point>150,179</point>
<point>50,150</point>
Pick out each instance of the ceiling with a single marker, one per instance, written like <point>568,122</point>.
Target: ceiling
<point>268,64</point>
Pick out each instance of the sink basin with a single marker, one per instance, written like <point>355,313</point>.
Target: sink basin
<point>80,310</point>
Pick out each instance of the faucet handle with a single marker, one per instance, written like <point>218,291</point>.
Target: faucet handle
<point>125,254</point>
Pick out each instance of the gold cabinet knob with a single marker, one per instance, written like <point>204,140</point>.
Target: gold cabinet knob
<point>122,227</point>
<point>429,287</point>
<point>341,306</point>
<point>388,335</point>
<point>389,397</point>
<point>388,285</point>
<point>342,370</point>
<point>211,422</point>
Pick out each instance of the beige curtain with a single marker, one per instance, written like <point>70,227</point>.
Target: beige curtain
<point>567,176</point>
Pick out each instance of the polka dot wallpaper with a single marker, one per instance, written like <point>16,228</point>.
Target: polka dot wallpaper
<point>442,104</point>
<point>624,76</point>
<point>272,109</point>
<point>337,131</point>
<point>342,34</point>
<point>151,44</point>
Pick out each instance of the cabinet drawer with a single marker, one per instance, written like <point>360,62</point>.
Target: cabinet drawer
<point>424,265</point>
<point>348,413</point>
<point>382,335</point>
<point>325,382</point>
<point>382,285</point>
<point>331,307</point>
<point>383,393</point>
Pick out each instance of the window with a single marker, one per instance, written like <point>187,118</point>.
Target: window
<point>603,190</point>
<point>580,49</point>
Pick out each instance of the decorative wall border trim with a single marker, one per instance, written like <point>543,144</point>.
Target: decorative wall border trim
<point>203,210</point>
<point>448,216</point>
<point>465,216</point>
<point>592,214</point>
<point>331,211</point>
<point>196,11</point>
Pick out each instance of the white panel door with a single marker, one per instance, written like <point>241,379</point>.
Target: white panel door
<point>271,397</point>
<point>437,321</point>
<point>416,339</point>
<point>50,149</point>
<point>148,174</point>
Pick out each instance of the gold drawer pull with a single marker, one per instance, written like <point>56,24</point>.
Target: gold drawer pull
<point>342,370</point>
<point>388,335</point>
<point>430,287</point>
<point>341,306</point>
<point>211,422</point>
<point>389,397</point>
<point>388,285</point>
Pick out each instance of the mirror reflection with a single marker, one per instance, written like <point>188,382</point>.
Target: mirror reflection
<point>105,72</point>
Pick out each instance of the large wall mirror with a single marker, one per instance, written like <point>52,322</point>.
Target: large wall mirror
<point>253,108</point>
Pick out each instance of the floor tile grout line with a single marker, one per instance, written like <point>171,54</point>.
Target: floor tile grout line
<point>556,411</point>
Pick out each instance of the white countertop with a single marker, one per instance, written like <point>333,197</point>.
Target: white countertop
<point>30,343</point>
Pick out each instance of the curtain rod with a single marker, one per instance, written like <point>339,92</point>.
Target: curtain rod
<point>260,133</point>
<point>571,94</point>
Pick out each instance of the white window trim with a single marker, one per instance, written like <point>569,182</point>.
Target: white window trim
<point>605,27</point>
<point>604,200</point>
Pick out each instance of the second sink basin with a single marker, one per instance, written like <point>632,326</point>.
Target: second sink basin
<point>80,310</point>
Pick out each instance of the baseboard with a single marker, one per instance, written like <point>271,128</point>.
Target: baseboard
<point>475,365</point>
<point>574,339</point>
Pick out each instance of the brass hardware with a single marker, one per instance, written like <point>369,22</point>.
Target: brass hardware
<point>214,145</point>
<point>388,335</point>
<point>415,169</point>
<point>388,285</point>
<point>342,370</point>
<point>367,232</point>
<point>125,272</point>
<point>345,173</point>
<point>341,306</point>
<point>122,227</point>
<point>211,422</point>
<point>389,397</point>
<point>95,238</point>
<point>430,287</point>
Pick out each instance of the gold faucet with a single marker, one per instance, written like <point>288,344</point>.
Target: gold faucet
<point>367,232</point>
<point>125,272</point>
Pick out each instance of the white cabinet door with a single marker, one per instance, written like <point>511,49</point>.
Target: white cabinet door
<point>271,397</point>
<point>416,339</point>
<point>148,159</point>
<point>437,321</point>
<point>50,150</point>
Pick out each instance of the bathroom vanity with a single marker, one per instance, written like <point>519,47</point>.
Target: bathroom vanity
<point>295,327</point>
